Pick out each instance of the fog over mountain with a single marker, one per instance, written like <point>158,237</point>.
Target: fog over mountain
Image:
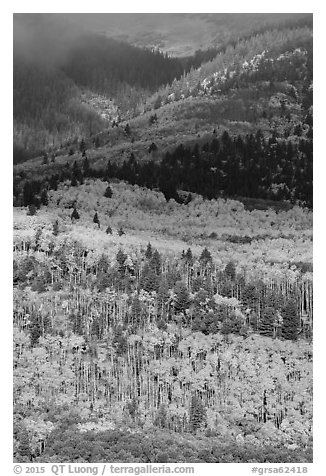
<point>44,37</point>
<point>179,34</point>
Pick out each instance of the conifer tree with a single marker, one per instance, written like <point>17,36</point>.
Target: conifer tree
<point>108,231</point>
<point>136,311</point>
<point>120,342</point>
<point>155,262</point>
<point>182,299</point>
<point>266,323</point>
<point>55,230</point>
<point>152,148</point>
<point>127,129</point>
<point>85,167</point>
<point>149,280</point>
<point>44,197</point>
<point>120,231</point>
<point>197,414</point>
<point>96,219</point>
<point>108,192</point>
<point>35,329</point>
<point>24,444</point>
<point>39,284</point>
<point>161,325</point>
<point>75,214</point>
<point>38,235</point>
<point>149,251</point>
<point>163,294</point>
<point>161,416</point>
<point>158,102</point>
<point>231,325</point>
<point>31,210</point>
<point>205,257</point>
<point>230,270</point>
<point>96,142</point>
<point>188,199</point>
<point>188,257</point>
<point>121,258</point>
<point>291,321</point>
<point>82,146</point>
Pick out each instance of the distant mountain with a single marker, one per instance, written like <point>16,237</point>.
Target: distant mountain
<point>179,34</point>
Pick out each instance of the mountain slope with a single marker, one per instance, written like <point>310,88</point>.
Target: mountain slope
<point>83,65</point>
<point>180,34</point>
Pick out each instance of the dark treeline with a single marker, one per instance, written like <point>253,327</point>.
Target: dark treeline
<point>102,64</point>
<point>225,167</point>
<point>229,167</point>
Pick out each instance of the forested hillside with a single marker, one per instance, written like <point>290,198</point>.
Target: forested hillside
<point>162,248</point>
<point>264,77</point>
<point>166,336</point>
<point>48,106</point>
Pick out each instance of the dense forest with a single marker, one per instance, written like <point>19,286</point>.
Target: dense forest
<point>267,76</point>
<point>47,106</point>
<point>162,248</point>
<point>175,338</point>
<point>225,167</point>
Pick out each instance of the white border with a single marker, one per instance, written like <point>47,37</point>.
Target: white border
<point>6,191</point>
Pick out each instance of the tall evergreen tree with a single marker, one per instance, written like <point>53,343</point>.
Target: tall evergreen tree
<point>291,321</point>
<point>24,444</point>
<point>230,270</point>
<point>149,251</point>
<point>205,257</point>
<point>96,220</point>
<point>149,280</point>
<point>152,148</point>
<point>155,262</point>
<point>82,146</point>
<point>266,323</point>
<point>120,342</point>
<point>86,168</point>
<point>55,229</point>
<point>121,231</point>
<point>35,329</point>
<point>121,258</point>
<point>75,214</point>
<point>108,192</point>
<point>31,210</point>
<point>44,197</point>
<point>197,414</point>
<point>188,257</point>
<point>182,299</point>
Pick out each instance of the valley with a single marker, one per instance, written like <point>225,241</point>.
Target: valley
<point>162,242</point>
